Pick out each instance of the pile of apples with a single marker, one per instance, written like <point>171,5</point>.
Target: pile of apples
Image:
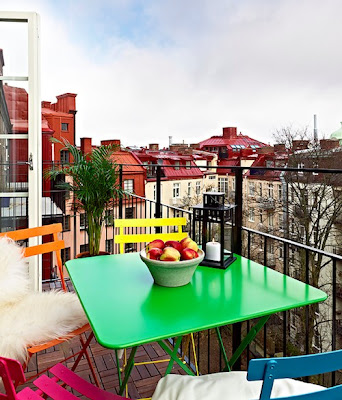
<point>172,250</point>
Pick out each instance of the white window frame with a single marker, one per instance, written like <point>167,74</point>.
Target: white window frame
<point>127,185</point>
<point>251,216</point>
<point>34,135</point>
<point>198,187</point>
<point>176,190</point>
<point>189,188</point>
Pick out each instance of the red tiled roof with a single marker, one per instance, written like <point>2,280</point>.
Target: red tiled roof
<point>241,140</point>
<point>123,157</point>
<point>182,172</point>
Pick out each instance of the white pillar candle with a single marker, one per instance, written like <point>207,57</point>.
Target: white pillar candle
<point>213,251</point>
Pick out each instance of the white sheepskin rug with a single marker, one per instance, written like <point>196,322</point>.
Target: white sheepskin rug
<point>27,317</point>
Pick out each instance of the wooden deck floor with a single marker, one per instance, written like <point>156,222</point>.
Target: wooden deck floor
<point>142,382</point>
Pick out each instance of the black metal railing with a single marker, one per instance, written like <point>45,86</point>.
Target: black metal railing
<point>295,257</point>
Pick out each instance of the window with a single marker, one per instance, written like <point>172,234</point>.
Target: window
<point>176,190</point>
<point>281,252</point>
<point>109,217</point>
<point>154,192</point>
<point>261,216</point>
<point>198,187</point>
<point>83,221</point>
<point>177,165</point>
<point>187,164</point>
<point>66,223</point>
<point>300,166</point>
<point>212,177</point>
<point>270,220</point>
<point>251,189</point>
<point>65,254</point>
<point>129,212</point>
<point>260,189</point>
<point>110,246</point>
<point>189,188</point>
<point>270,190</point>
<point>65,156</point>
<point>223,185</point>
<point>233,184</point>
<point>64,127</point>
<point>281,222</point>
<point>128,185</point>
<point>130,247</point>
<point>251,215</point>
<point>84,247</point>
<point>280,192</point>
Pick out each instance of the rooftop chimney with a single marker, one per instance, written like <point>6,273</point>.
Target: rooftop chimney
<point>329,144</point>
<point>46,104</point>
<point>279,148</point>
<point>66,102</point>
<point>86,147</point>
<point>153,146</point>
<point>230,133</point>
<point>300,144</point>
<point>115,142</point>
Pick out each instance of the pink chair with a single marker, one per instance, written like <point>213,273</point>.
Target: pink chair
<point>12,371</point>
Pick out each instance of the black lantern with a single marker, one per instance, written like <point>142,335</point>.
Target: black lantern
<point>213,223</point>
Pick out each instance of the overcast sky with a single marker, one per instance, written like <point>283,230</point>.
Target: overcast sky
<point>146,70</point>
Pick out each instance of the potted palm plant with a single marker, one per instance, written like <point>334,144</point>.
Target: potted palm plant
<point>93,180</point>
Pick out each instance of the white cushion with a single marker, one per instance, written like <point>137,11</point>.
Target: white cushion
<point>224,385</point>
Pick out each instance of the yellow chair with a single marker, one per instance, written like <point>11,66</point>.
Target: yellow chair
<point>142,237</point>
<point>122,238</point>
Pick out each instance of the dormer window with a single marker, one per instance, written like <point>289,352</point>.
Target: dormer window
<point>176,164</point>
<point>187,164</point>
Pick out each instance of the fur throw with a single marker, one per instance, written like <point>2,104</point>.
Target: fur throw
<point>27,317</point>
<point>14,280</point>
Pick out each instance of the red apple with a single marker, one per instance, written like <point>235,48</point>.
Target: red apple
<point>188,254</point>
<point>173,243</point>
<point>189,243</point>
<point>154,253</point>
<point>170,254</point>
<point>155,244</point>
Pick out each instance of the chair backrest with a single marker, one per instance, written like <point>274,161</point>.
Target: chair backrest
<point>123,238</point>
<point>294,367</point>
<point>53,246</point>
<point>10,371</point>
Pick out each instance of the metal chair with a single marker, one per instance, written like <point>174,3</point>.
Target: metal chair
<point>138,234</point>
<point>271,369</point>
<point>53,387</point>
<point>54,246</point>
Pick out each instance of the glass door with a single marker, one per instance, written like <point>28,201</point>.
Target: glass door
<point>20,128</point>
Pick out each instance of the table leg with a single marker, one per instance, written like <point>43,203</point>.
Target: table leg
<point>128,369</point>
<point>174,357</point>
<point>246,341</point>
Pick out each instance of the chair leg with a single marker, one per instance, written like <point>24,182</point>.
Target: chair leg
<point>84,351</point>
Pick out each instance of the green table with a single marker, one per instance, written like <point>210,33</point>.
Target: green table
<point>126,309</point>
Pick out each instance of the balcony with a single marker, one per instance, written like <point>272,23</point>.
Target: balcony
<point>266,203</point>
<point>279,334</point>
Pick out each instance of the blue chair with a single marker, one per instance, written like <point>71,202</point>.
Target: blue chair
<point>263,375</point>
<point>270,369</point>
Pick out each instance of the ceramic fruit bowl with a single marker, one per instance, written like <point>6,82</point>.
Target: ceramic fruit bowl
<point>172,273</point>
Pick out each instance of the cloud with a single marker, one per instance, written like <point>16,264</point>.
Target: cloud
<point>144,71</point>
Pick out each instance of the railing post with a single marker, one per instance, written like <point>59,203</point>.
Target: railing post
<point>158,196</point>
<point>121,197</point>
<point>237,250</point>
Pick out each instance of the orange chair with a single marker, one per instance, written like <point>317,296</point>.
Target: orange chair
<point>54,246</point>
